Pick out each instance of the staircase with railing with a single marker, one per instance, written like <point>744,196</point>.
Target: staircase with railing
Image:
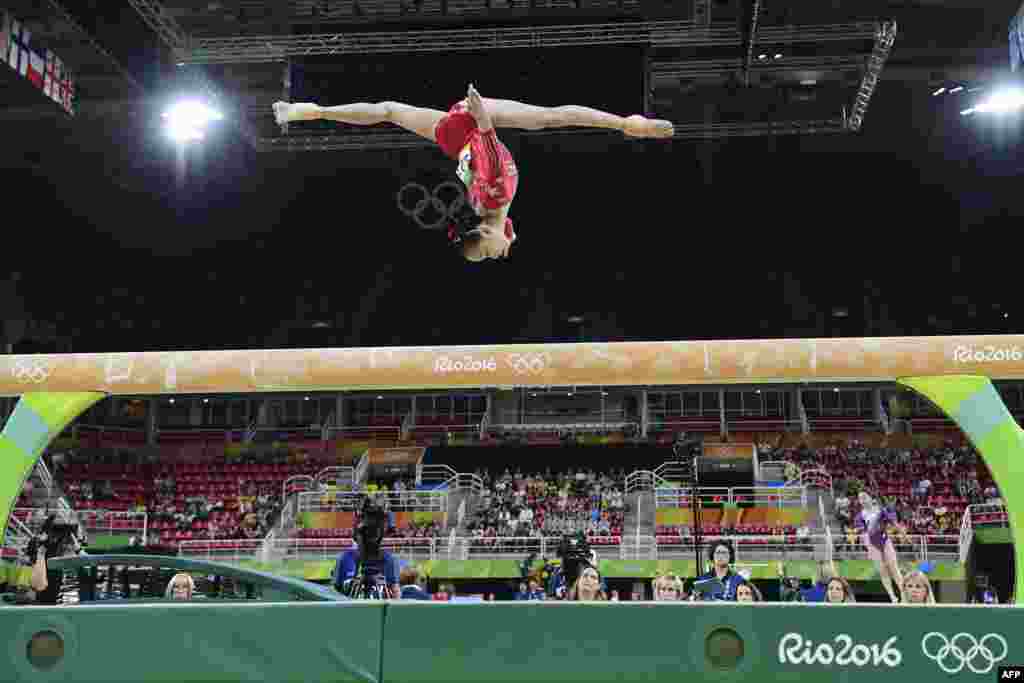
<point>464,492</point>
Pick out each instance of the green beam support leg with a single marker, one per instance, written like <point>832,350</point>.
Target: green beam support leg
<point>36,421</point>
<point>975,405</point>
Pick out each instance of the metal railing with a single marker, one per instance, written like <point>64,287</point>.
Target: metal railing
<point>829,547</point>
<point>986,515</point>
<point>919,547</point>
<point>444,477</point>
<point>979,515</point>
<point>633,547</point>
<point>299,483</point>
<point>677,471</point>
<point>816,477</point>
<point>114,522</point>
<point>93,521</point>
<point>337,475</point>
<point>761,496</point>
<point>44,476</point>
<point>644,480</point>
<point>966,536</point>
<point>768,468</point>
<point>362,470</point>
<point>349,501</point>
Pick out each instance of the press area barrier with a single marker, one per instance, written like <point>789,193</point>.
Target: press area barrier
<point>413,642</point>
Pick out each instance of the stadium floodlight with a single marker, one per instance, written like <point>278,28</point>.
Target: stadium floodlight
<point>187,120</point>
<point>1002,101</point>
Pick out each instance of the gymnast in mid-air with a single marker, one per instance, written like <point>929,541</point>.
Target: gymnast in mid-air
<point>466,134</point>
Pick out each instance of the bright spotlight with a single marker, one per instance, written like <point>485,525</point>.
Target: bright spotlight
<point>1000,102</point>
<point>939,92</point>
<point>187,120</point>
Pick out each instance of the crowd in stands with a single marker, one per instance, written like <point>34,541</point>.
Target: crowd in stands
<point>183,501</point>
<point>521,505</point>
<point>928,488</point>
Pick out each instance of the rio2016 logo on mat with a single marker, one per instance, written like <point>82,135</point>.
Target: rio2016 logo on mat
<point>794,649</point>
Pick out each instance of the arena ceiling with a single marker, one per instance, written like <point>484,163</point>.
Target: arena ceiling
<point>110,169</point>
<point>126,55</point>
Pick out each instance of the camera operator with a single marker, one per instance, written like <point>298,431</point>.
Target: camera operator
<point>368,572</point>
<point>575,553</point>
<point>984,593</point>
<point>54,540</point>
<point>792,589</point>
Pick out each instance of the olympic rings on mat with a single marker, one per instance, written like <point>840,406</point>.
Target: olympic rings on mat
<point>446,201</point>
<point>950,648</point>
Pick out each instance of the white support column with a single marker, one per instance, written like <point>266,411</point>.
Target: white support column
<point>723,431</point>
<point>644,417</point>
<point>152,412</point>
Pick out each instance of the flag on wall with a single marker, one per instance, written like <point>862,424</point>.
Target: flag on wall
<point>53,75</point>
<point>36,66</point>
<point>67,93</point>
<point>14,47</point>
<point>40,66</point>
<point>5,34</point>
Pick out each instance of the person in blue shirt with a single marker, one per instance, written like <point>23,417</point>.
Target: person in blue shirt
<point>722,556</point>
<point>410,578</point>
<point>815,593</point>
<point>531,591</point>
<point>368,572</point>
<point>984,593</point>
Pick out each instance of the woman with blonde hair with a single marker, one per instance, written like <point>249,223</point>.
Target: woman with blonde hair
<point>917,589</point>
<point>668,588</point>
<point>587,587</point>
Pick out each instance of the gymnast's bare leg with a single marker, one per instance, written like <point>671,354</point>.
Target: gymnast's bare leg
<point>504,113</point>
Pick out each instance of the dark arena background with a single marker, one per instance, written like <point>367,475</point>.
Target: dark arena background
<point>261,421</point>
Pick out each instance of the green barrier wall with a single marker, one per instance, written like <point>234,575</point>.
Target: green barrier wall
<point>537,642</point>
<point>181,642</point>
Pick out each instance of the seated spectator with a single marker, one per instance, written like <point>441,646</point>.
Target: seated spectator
<point>838,591</point>
<point>668,588</point>
<point>180,587</point>
<point>587,587</point>
<point>530,591</point>
<point>917,589</point>
<point>409,580</point>
<point>748,592</point>
<point>843,509</point>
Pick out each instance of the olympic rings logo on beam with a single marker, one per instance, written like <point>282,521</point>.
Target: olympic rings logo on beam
<point>952,658</point>
<point>418,203</point>
<point>30,372</point>
<point>528,363</point>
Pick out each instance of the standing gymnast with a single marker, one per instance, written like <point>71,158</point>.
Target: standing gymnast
<point>466,134</point>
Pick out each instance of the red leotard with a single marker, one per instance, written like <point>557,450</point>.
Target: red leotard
<point>495,176</point>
